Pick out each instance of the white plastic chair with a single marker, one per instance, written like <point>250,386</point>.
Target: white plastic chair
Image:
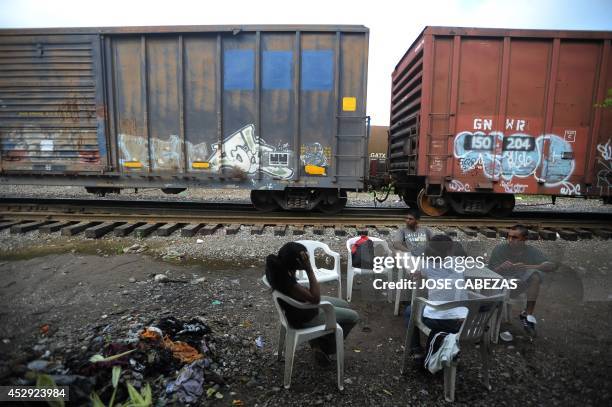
<point>519,301</point>
<point>289,338</point>
<point>473,330</point>
<point>323,275</point>
<point>400,277</point>
<point>352,271</point>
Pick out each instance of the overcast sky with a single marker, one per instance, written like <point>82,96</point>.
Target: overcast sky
<point>394,25</point>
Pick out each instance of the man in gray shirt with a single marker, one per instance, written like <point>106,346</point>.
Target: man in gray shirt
<point>413,238</point>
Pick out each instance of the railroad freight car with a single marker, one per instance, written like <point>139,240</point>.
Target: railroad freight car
<point>278,110</point>
<point>479,115</point>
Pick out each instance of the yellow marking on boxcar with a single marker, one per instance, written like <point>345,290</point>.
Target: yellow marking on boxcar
<point>314,170</point>
<point>132,164</point>
<point>349,104</point>
<point>200,165</point>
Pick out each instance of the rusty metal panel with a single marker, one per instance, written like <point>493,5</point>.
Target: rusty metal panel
<point>278,108</point>
<point>508,111</point>
<point>257,106</point>
<point>163,103</point>
<point>129,101</point>
<point>51,111</point>
<point>200,54</point>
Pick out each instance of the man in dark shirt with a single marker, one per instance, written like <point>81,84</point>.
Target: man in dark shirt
<point>280,273</point>
<point>516,260</point>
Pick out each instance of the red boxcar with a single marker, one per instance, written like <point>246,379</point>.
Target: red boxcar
<point>478,115</point>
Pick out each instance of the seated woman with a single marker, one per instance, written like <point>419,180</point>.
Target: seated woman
<point>449,320</point>
<point>280,273</point>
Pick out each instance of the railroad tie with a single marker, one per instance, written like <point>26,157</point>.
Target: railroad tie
<point>547,234</point>
<point>568,234</point>
<point>191,229</point>
<point>11,224</point>
<point>318,230</point>
<point>339,231</point>
<point>487,232</point>
<point>126,229</point>
<point>54,227</point>
<point>584,233</point>
<point>603,233</point>
<point>26,227</point>
<point>146,229</point>
<point>257,229</point>
<point>448,231</point>
<point>298,230</point>
<point>101,229</point>
<point>232,229</point>
<point>209,229</point>
<point>470,231</point>
<point>78,228</point>
<point>280,230</point>
<point>169,228</point>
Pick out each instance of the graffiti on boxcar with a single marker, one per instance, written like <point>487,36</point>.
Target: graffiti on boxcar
<point>239,152</point>
<point>458,186</point>
<point>567,188</point>
<point>315,158</point>
<point>515,155</point>
<point>513,188</point>
<point>604,175</point>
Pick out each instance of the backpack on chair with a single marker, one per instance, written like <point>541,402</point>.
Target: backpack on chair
<point>362,253</point>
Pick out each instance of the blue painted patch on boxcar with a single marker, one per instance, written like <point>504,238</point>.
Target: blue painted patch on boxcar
<point>101,141</point>
<point>239,69</point>
<point>277,72</point>
<point>317,70</point>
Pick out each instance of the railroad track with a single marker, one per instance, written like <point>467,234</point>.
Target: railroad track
<point>97,218</point>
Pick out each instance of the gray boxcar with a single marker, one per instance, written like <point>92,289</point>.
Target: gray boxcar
<point>279,110</point>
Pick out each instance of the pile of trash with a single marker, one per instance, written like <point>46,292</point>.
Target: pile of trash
<point>172,359</point>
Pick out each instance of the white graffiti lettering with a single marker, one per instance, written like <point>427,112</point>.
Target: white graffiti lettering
<point>483,124</point>
<point>241,151</point>
<point>605,150</point>
<point>511,188</point>
<point>520,124</point>
<point>604,176</point>
<point>515,155</point>
<point>458,186</point>
<point>570,189</point>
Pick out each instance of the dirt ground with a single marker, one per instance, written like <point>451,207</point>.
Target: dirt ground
<point>86,297</point>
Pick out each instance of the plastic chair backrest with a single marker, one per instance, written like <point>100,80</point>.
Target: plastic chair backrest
<point>311,246</point>
<point>480,312</point>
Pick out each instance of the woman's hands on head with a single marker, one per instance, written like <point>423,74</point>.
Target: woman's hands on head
<point>304,261</point>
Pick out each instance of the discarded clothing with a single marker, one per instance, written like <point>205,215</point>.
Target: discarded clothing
<point>191,331</point>
<point>182,351</point>
<point>189,384</point>
<point>152,334</point>
<point>441,351</point>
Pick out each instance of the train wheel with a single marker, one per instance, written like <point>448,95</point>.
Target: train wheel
<point>333,204</point>
<point>433,207</point>
<point>264,201</point>
<point>504,207</point>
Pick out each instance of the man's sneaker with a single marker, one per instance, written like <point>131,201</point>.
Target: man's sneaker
<point>529,323</point>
